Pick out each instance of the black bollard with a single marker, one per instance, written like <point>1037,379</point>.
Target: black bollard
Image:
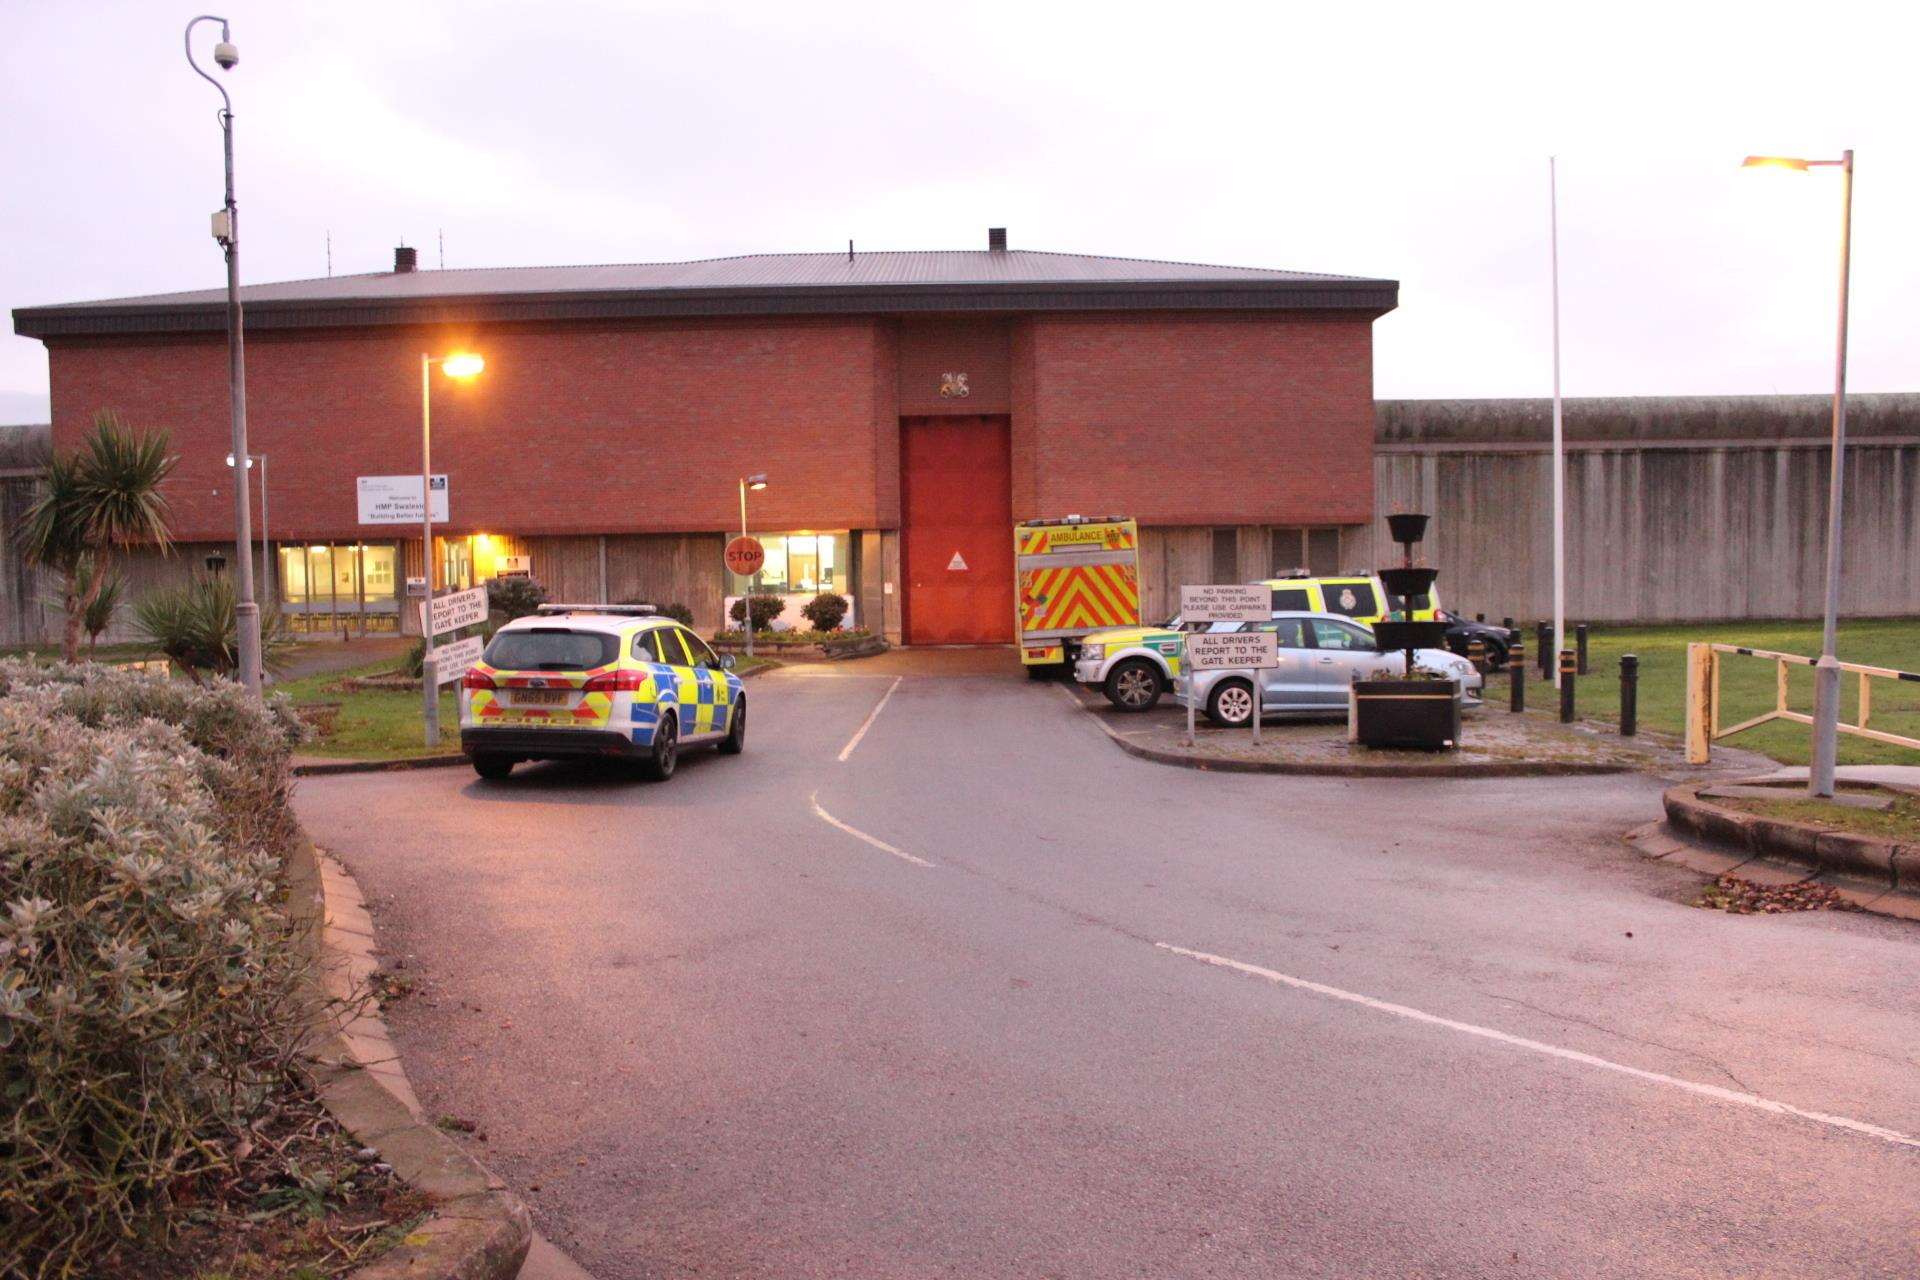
<point>1543,642</point>
<point>1517,673</point>
<point>1479,617</point>
<point>1506,623</point>
<point>1567,671</point>
<point>1629,695</point>
<point>1477,654</point>
<point>1580,645</point>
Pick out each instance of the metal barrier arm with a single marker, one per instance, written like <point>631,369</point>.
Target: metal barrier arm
<point>1703,697</point>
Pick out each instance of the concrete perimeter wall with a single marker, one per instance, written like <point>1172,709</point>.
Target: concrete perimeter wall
<point>1678,508</point>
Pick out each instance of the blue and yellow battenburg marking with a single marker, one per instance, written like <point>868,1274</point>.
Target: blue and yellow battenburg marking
<point>702,698</point>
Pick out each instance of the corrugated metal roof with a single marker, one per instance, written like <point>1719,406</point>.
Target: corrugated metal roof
<point>781,283</point>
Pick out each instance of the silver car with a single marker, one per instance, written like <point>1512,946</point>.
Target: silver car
<point>1321,654</point>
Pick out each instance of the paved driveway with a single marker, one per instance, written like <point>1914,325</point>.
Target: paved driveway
<point>983,997</point>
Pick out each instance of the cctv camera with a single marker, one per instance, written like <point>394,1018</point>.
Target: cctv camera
<point>226,55</point>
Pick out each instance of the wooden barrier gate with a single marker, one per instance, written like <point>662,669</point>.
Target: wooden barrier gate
<point>1703,697</point>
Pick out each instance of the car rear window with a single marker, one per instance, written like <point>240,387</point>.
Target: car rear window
<point>1355,599</point>
<point>551,649</point>
<point>1291,598</point>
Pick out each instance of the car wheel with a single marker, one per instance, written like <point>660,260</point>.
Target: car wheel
<point>736,740</point>
<point>1496,656</point>
<point>1133,685</point>
<point>660,762</point>
<point>493,767</point>
<point>1230,705</point>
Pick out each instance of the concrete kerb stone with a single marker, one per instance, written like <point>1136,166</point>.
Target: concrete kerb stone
<point>1880,876</point>
<point>322,768</point>
<point>1397,769</point>
<point>477,1231</point>
<point>1842,852</point>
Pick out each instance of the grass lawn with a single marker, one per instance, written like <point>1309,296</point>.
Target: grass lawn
<point>382,725</point>
<point>1901,822</point>
<point>374,725</point>
<point>1747,684</point>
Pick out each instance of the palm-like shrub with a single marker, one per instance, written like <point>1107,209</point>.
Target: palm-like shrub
<point>103,599</point>
<point>196,624</point>
<point>94,504</point>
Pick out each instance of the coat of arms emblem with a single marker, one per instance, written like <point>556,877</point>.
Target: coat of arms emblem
<point>953,386</point>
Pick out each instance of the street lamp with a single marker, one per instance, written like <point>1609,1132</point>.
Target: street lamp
<point>755,482</point>
<point>226,229</point>
<point>461,365</point>
<point>266,545</point>
<point>1826,672</point>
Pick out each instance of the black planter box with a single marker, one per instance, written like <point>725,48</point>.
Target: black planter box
<point>1420,714</point>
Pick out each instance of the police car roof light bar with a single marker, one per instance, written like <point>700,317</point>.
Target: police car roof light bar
<point>617,610</point>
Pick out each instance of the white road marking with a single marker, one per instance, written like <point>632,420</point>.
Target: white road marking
<point>858,834</point>
<point>1755,1101</point>
<point>867,724</point>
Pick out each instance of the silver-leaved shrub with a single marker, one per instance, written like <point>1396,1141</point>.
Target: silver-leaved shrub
<point>152,987</point>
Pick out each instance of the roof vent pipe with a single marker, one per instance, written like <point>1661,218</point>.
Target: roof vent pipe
<point>996,239</point>
<point>405,259</point>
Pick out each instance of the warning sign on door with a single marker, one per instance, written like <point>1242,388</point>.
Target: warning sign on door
<point>957,563</point>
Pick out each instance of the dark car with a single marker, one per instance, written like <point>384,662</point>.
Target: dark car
<point>1462,632</point>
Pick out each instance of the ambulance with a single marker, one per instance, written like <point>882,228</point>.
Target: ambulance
<point>1072,577</point>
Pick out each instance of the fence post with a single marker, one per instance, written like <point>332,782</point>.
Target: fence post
<point>1699,740</point>
<point>1517,673</point>
<point>1568,666</point>
<point>1580,644</point>
<point>1629,695</point>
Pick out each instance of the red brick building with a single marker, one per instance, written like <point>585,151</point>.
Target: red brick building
<point>1230,410</point>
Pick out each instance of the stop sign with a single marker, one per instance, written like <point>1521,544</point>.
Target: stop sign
<point>744,556</point>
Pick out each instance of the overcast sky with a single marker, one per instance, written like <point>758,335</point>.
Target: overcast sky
<point>1408,141</point>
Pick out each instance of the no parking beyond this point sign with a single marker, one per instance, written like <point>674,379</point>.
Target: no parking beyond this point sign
<point>1226,603</point>
<point>958,564</point>
<point>744,556</point>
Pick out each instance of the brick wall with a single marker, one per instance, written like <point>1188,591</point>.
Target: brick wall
<point>930,349</point>
<point>1194,420</point>
<point>644,427</point>
<point>584,430</point>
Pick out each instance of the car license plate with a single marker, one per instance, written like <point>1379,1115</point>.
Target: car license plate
<point>539,697</point>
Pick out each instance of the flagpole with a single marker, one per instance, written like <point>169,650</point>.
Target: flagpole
<point>1559,441</point>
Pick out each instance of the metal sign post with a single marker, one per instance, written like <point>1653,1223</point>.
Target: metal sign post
<point>1225,602</point>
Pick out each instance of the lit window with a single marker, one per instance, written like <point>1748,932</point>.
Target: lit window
<point>799,564</point>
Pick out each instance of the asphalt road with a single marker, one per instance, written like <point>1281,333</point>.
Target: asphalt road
<point>708,1029</point>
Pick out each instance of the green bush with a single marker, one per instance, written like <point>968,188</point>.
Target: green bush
<point>515,597</point>
<point>679,613</point>
<point>765,610</point>
<point>825,611</point>
<point>151,989</point>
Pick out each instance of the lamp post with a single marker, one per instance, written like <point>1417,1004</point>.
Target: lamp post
<point>226,229</point>
<point>1826,672</point>
<point>462,365</point>
<point>756,482</point>
<point>266,543</point>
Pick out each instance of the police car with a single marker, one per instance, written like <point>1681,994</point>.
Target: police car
<point>614,681</point>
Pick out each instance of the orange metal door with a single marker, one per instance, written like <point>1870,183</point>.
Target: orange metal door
<point>956,543</point>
